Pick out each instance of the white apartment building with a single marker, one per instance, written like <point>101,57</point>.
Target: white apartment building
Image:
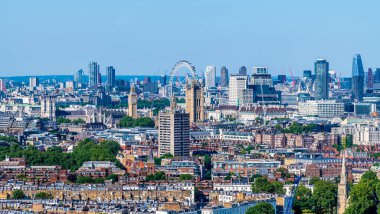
<point>210,76</point>
<point>367,134</point>
<point>237,84</point>
<point>321,108</point>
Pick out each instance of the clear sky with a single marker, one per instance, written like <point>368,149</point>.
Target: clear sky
<point>148,37</point>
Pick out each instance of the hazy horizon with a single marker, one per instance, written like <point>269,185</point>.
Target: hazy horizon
<point>149,37</point>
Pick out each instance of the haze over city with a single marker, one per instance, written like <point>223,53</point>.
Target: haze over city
<point>149,37</point>
<point>189,107</point>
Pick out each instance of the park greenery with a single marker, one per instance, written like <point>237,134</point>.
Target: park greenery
<point>128,122</point>
<point>86,150</point>
<point>297,128</point>
<point>261,208</point>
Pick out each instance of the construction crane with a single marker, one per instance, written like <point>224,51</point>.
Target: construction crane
<point>293,82</point>
<point>289,205</point>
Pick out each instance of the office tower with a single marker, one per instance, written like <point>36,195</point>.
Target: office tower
<point>132,103</point>
<point>210,76</point>
<point>377,75</point>
<point>34,82</point>
<point>237,84</point>
<point>370,79</point>
<point>261,76</point>
<point>243,70</point>
<point>195,101</point>
<point>79,78</point>
<point>260,70</point>
<point>99,79</point>
<point>163,80</point>
<point>93,74</point>
<point>346,83</point>
<point>343,187</point>
<point>224,77</point>
<point>111,82</point>
<point>307,73</point>
<point>321,89</point>
<point>357,78</point>
<point>174,132</point>
<point>48,107</point>
<point>3,86</point>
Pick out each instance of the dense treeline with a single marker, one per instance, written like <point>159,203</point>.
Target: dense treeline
<point>296,128</point>
<point>128,122</point>
<point>157,104</point>
<point>86,150</point>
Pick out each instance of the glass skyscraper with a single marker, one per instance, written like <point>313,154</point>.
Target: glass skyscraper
<point>224,77</point>
<point>93,74</point>
<point>78,78</point>
<point>357,78</point>
<point>110,78</point>
<point>321,87</point>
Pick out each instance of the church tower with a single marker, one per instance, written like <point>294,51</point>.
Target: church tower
<point>150,163</point>
<point>195,101</point>
<point>132,103</point>
<point>343,187</point>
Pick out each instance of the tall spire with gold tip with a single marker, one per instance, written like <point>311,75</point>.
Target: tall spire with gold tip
<point>342,187</point>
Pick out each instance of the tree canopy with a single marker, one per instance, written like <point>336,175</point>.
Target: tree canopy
<point>364,196</point>
<point>262,185</point>
<point>261,208</point>
<point>128,122</point>
<point>18,194</point>
<point>86,150</point>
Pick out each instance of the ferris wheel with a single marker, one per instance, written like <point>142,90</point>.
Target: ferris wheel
<point>178,78</point>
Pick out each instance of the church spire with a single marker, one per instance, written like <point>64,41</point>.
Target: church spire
<point>343,187</point>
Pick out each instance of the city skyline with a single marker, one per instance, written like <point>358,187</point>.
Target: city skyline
<point>285,39</point>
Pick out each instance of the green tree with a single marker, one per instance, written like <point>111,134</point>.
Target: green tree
<point>278,187</point>
<point>261,208</point>
<point>364,196</point>
<point>314,180</point>
<point>302,199</point>
<point>18,194</point>
<point>262,185</point>
<point>113,177</point>
<point>127,122</point>
<point>63,120</point>
<point>84,180</point>
<point>229,176</point>
<point>43,195</point>
<point>324,197</point>
<point>185,177</point>
<point>158,176</point>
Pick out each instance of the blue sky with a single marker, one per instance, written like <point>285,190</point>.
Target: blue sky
<point>148,37</point>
